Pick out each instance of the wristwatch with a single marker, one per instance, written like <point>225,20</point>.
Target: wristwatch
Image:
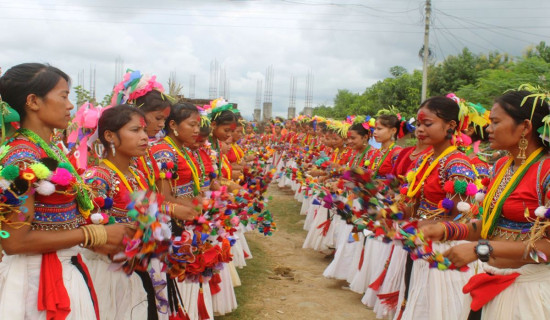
<point>483,250</point>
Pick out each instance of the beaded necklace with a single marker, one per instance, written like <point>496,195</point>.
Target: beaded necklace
<point>359,157</point>
<point>378,164</point>
<point>412,191</point>
<point>148,169</point>
<point>122,177</point>
<point>189,162</point>
<point>201,164</point>
<point>85,204</point>
<point>492,212</point>
<point>219,159</point>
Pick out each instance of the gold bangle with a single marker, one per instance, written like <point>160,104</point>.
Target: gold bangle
<point>94,235</point>
<point>85,242</point>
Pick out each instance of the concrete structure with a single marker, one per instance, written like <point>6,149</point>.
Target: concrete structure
<point>257,115</point>
<point>308,111</point>
<point>267,111</point>
<point>291,112</point>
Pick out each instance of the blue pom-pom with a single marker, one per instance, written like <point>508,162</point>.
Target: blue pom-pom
<point>447,204</point>
<point>163,166</point>
<point>10,198</point>
<point>108,203</point>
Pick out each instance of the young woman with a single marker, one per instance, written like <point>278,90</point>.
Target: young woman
<point>180,184</point>
<point>511,243</point>
<point>121,130</point>
<point>223,123</point>
<point>42,273</point>
<point>385,133</point>
<point>431,293</point>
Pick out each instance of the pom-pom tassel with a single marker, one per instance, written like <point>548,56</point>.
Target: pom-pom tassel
<point>201,306</point>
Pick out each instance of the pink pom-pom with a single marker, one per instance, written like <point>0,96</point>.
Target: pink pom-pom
<point>168,175</point>
<point>105,218</point>
<point>201,219</point>
<point>62,177</point>
<point>449,187</point>
<point>471,189</point>
<point>235,221</point>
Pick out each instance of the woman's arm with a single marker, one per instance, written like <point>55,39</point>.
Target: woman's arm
<point>24,240</point>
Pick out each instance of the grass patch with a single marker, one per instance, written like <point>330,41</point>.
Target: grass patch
<point>252,276</point>
<point>286,211</point>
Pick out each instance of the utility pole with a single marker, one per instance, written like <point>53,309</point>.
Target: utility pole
<point>426,50</point>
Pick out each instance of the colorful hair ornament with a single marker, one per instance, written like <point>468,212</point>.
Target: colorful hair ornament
<point>9,118</point>
<point>133,86</point>
<point>220,105</point>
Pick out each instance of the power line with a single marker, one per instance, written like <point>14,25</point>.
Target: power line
<point>210,25</point>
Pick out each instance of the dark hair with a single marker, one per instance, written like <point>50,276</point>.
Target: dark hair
<point>358,127</point>
<point>205,130</point>
<point>153,100</point>
<point>444,108</point>
<point>511,102</point>
<point>28,78</point>
<point>179,112</point>
<point>224,117</point>
<point>115,118</point>
<point>389,121</point>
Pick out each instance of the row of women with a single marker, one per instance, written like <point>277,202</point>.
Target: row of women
<point>438,230</point>
<point>137,211</point>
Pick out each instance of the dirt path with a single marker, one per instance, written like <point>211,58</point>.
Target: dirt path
<point>284,281</point>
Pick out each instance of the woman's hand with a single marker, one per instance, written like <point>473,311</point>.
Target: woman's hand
<point>462,254</point>
<point>434,231</point>
<point>185,212</point>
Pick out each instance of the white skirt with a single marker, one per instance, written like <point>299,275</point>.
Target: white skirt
<point>392,282</point>
<point>314,238</point>
<point>224,301</point>
<point>189,291</point>
<point>525,299</point>
<point>375,263</point>
<point>435,294</point>
<point>119,296</point>
<point>340,267</point>
<point>360,281</point>
<point>311,212</point>
<point>19,282</point>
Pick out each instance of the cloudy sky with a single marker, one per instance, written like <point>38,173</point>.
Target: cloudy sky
<point>347,44</point>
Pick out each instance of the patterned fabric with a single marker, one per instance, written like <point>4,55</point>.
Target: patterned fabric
<point>164,154</point>
<point>456,165</point>
<point>57,211</point>
<point>527,194</point>
<point>106,183</point>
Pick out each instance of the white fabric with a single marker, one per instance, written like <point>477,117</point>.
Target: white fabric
<point>356,258</point>
<point>311,212</point>
<point>19,282</point>
<point>526,299</point>
<point>376,262</point>
<point>237,252</point>
<point>359,283</point>
<point>189,291</point>
<point>435,294</point>
<point>340,267</point>
<point>224,301</point>
<point>119,296</point>
<point>392,282</point>
<point>314,238</point>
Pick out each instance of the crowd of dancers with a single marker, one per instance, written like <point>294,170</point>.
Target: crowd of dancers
<point>452,227</point>
<point>138,210</point>
<point>135,210</point>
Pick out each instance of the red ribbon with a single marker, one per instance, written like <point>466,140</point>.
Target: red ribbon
<point>52,294</point>
<point>484,287</point>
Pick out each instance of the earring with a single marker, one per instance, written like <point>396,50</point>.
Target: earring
<point>176,133</point>
<point>112,145</point>
<point>449,135</point>
<point>522,147</point>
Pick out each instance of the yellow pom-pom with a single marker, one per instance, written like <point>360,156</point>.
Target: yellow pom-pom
<point>367,163</point>
<point>162,175</point>
<point>40,170</point>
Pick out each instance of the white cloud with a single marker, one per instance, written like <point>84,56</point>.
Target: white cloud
<point>346,46</point>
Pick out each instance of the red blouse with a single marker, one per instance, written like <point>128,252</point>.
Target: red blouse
<point>530,192</point>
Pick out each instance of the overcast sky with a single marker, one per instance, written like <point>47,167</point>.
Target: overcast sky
<point>346,44</point>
